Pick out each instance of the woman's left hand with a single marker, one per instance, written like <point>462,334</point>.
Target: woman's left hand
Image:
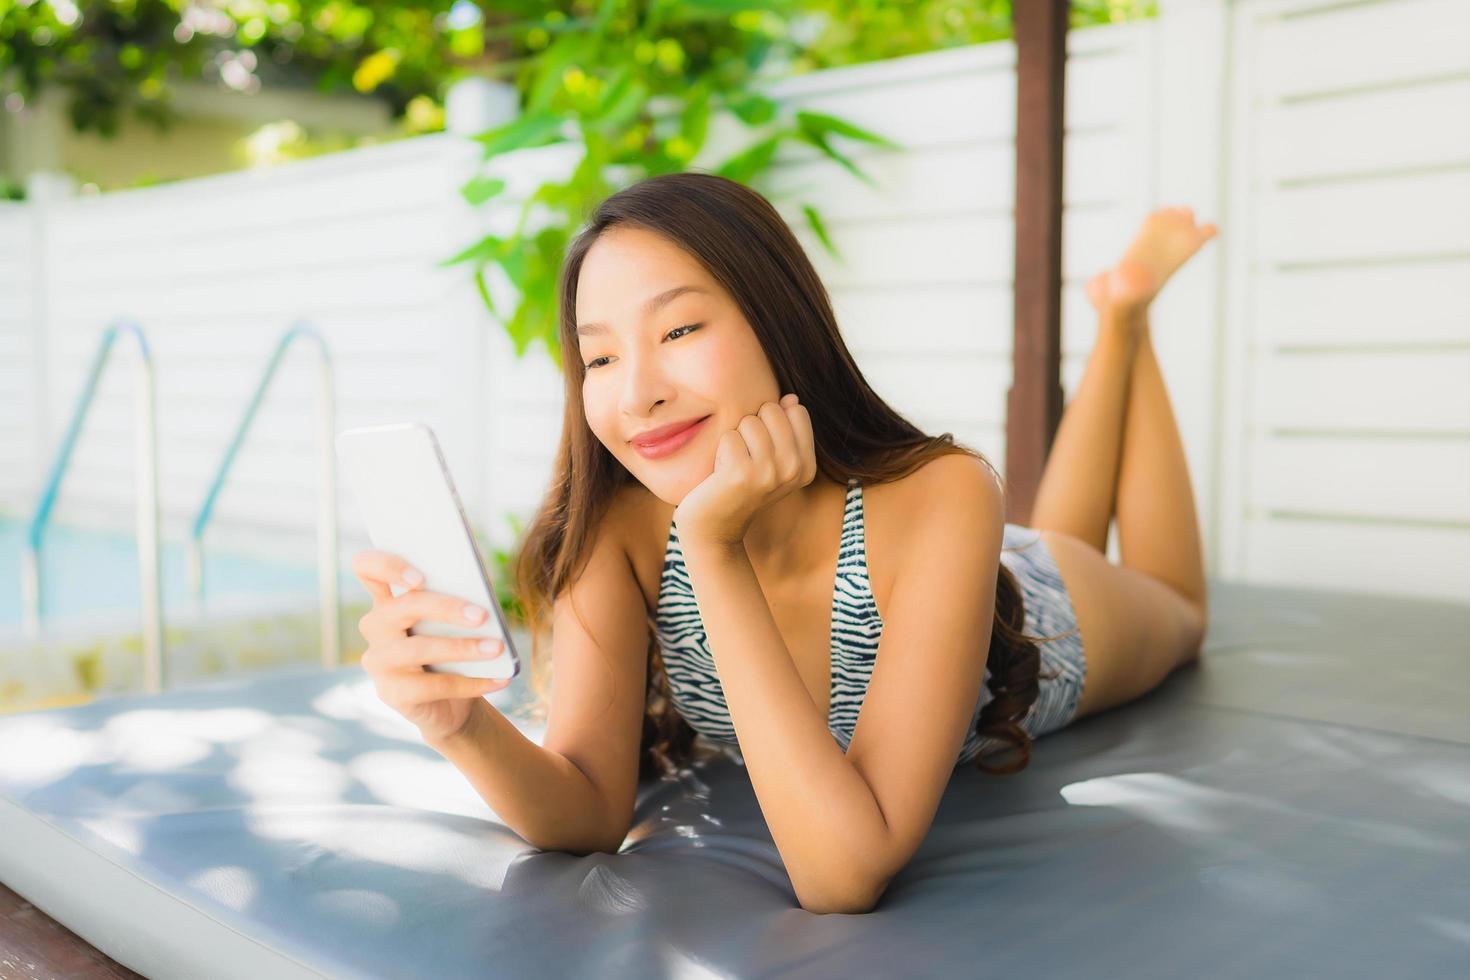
<point>761,460</point>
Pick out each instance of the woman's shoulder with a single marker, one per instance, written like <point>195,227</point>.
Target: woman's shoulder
<point>888,508</point>
<point>642,522</point>
<point>939,477</point>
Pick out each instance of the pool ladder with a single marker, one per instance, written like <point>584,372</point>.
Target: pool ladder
<point>328,595</point>
<point>146,468</point>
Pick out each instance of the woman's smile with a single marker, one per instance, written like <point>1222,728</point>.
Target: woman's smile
<point>672,444</point>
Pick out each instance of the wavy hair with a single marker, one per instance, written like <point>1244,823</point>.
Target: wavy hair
<point>745,245</point>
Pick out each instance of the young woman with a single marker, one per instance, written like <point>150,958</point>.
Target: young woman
<point>797,569</point>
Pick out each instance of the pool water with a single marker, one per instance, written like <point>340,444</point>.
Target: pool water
<point>258,614</point>
<point>86,572</point>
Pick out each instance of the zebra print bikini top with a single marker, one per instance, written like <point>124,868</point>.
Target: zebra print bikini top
<point>855,630</point>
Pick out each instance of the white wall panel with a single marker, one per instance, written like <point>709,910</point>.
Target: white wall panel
<point>1318,355</point>
<point>1347,420</point>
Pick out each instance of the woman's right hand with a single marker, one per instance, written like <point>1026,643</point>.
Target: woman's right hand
<point>440,704</point>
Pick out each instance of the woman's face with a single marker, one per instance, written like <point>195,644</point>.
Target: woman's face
<point>690,357</point>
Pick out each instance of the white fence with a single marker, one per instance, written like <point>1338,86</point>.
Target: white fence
<point>1328,154</point>
<point>1346,457</point>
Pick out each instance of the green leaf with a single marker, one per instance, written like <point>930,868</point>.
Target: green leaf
<point>815,220</point>
<point>630,102</point>
<point>754,109</point>
<point>728,8</point>
<point>484,290</point>
<point>615,87</point>
<point>565,51</point>
<point>481,189</point>
<point>486,249</point>
<point>821,123</point>
<point>513,262</point>
<point>531,129</point>
<point>694,120</point>
<point>820,142</point>
<point>750,161</point>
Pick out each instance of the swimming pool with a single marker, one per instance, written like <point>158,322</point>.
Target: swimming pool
<point>86,572</point>
<point>257,613</point>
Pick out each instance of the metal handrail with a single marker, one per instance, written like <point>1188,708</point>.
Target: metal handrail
<point>146,469</point>
<point>327,588</point>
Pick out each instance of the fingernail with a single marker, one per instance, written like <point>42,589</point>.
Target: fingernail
<point>489,646</point>
<point>413,577</point>
<point>473,613</point>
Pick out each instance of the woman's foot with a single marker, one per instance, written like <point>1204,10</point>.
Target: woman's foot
<point>1168,238</point>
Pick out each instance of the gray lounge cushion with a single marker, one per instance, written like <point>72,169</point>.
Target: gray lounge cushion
<point>1298,804</point>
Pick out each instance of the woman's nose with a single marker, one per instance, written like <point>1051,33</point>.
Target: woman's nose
<point>644,383</point>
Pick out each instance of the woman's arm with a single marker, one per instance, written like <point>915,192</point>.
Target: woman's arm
<point>575,791</point>
<point>541,795</point>
<point>820,810</point>
<point>845,824</point>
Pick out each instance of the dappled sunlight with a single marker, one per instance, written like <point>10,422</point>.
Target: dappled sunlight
<point>122,832</point>
<point>148,797</point>
<point>42,749</point>
<point>358,701</point>
<point>681,966</point>
<point>408,780</point>
<point>1456,929</point>
<point>285,766</point>
<point>1157,797</point>
<point>228,884</point>
<point>1168,801</point>
<point>313,834</point>
<point>1441,779</point>
<point>159,740</point>
<point>1262,885</point>
<point>359,906</point>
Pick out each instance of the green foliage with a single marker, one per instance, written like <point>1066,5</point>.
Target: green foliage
<point>596,83</point>
<point>592,71</point>
<point>115,55</point>
<point>858,31</point>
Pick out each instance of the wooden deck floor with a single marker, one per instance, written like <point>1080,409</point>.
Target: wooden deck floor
<point>34,946</point>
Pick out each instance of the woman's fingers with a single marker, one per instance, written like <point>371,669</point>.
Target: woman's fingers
<point>375,569</point>
<point>415,651</point>
<point>402,690</point>
<point>393,616</point>
<point>783,443</point>
<point>806,446</point>
<point>755,431</point>
<point>410,607</point>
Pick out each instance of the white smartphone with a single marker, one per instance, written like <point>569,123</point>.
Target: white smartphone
<point>408,501</point>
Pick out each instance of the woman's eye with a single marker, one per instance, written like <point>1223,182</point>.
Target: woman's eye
<point>688,326</point>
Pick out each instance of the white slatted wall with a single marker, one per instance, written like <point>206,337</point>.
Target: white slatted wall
<point>1348,393</point>
<point>215,270</point>
<point>1318,355</point>
<point>18,299</point>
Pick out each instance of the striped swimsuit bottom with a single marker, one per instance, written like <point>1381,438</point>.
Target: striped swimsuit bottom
<point>855,630</point>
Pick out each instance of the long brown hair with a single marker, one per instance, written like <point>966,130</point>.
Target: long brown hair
<point>742,241</point>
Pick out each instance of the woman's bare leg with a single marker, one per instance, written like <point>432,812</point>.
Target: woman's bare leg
<point>1158,530</point>
<point>1118,447</point>
<point>1142,618</point>
<point>1080,479</point>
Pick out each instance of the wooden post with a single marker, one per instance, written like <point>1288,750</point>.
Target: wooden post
<point>1034,405</point>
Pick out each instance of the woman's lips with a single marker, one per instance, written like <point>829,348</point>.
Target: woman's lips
<point>673,443</point>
